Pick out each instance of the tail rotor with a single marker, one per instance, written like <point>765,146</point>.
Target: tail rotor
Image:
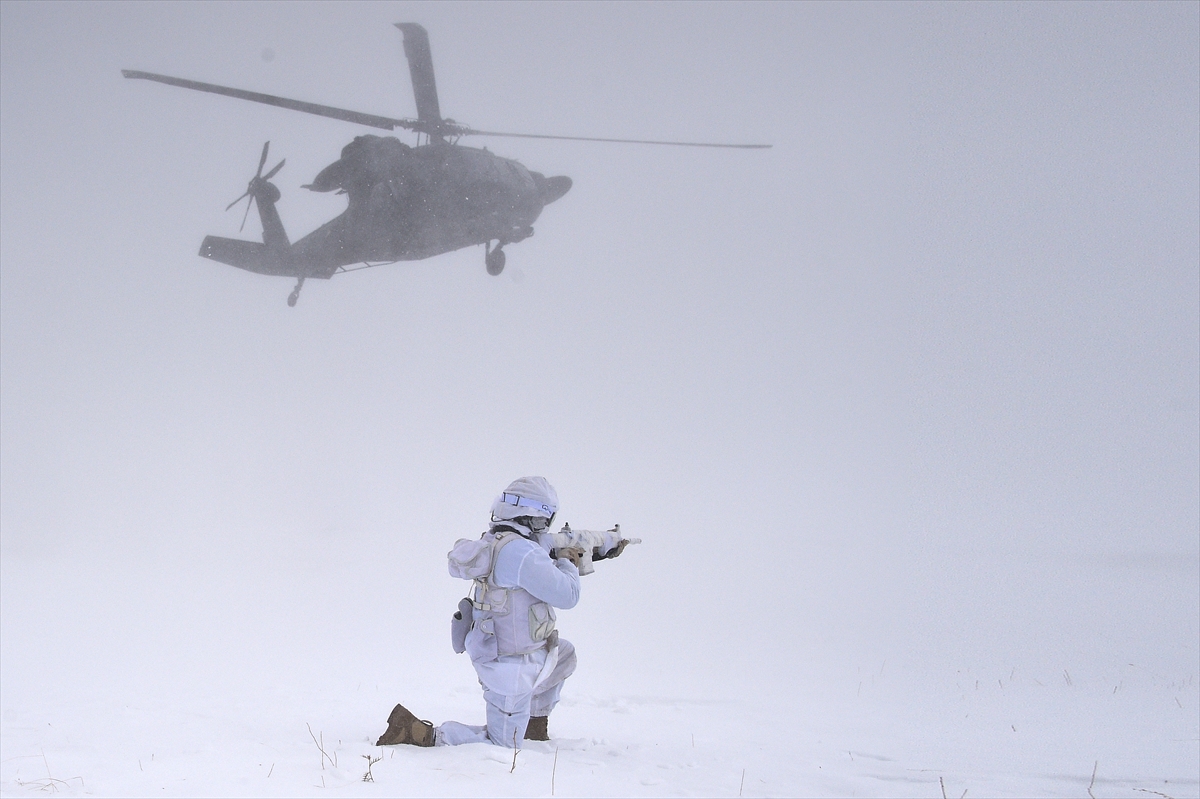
<point>258,184</point>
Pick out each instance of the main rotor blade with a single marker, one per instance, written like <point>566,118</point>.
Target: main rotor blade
<point>471,132</point>
<point>442,128</point>
<point>420,69</point>
<point>386,123</point>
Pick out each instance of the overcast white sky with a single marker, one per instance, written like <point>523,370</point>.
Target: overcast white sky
<point>955,309</point>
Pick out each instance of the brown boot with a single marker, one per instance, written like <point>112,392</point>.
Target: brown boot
<point>536,729</point>
<point>405,728</point>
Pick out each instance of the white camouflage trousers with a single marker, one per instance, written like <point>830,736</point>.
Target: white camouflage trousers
<point>513,693</point>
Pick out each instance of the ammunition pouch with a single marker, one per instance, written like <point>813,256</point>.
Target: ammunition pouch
<point>541,621</point>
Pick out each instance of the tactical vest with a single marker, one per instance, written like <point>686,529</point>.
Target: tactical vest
<point>520,621</point>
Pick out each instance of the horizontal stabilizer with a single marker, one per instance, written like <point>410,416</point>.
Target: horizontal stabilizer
<point>249,255</point>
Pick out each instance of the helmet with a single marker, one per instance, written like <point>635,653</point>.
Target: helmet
<point>525,499</point>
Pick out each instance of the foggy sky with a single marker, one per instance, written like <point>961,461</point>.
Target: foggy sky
<point>955,308</point>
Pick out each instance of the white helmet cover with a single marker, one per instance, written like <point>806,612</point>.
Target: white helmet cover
<point>527,496</point>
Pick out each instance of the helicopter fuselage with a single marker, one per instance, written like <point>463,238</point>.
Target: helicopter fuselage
<point>409,203</point>
<point>404,204</point>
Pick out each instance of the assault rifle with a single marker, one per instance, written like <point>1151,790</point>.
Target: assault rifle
<point>594,545</point>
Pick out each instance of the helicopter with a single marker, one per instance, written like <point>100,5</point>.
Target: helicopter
<point>405,203</point>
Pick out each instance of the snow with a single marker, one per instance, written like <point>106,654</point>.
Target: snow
<point>210,676</point>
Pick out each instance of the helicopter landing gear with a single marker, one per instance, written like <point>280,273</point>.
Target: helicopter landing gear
<point>295,295</point>
<point>494,259</point>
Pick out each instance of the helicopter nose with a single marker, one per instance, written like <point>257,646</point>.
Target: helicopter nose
<point>555,187</point>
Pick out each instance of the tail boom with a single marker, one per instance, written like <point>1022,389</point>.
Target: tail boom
<point>254,257</point>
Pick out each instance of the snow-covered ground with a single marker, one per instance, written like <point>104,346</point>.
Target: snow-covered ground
<point>211,674</point>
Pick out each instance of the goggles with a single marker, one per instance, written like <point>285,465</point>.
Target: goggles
<point>539,523</point>
<point>522,502</point>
